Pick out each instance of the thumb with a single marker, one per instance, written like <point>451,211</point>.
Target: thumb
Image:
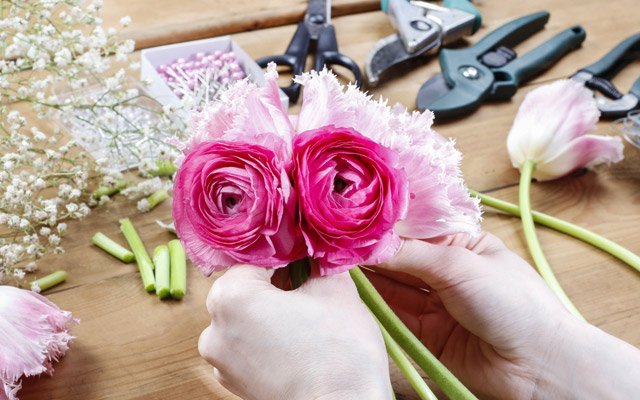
<point>245,274</point>
<point>438,265</point>
<point>337,283</point>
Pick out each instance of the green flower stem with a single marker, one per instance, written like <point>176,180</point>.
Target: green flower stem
<point>440,375</point>
<point>162,264</point>
<point>165,168</point>
<point>178,284</point>
<point>108,191</point>
<point>142,258</point>
<point>157,198</point>
<point>405,366</point>
<point>565,227</point>
<point>532,239</point>
<point>50,280</point>
<point>105,243</point>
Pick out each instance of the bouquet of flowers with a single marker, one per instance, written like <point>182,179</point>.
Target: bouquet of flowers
<point>338,184</point>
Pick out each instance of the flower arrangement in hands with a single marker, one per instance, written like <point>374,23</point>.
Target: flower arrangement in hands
<point>339,183</point>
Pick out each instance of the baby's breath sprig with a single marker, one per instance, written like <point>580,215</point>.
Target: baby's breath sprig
<point>58,60</point>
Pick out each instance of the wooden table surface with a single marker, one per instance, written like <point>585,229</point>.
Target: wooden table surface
<point>130,345</point>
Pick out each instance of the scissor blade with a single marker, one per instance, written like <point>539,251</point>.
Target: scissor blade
<point>446,101</point>
<point>432,90</point>
<point>388,52</point>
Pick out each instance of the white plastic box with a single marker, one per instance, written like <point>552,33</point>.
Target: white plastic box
<point>153,57</point>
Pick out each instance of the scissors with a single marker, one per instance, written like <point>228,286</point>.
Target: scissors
<point>315,27</point>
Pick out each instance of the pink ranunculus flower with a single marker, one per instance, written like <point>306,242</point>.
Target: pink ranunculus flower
<point>34,332</point>
<point>550,128</point>
<point>351,193</point>
<point>439,203</point>
<point>233,202</point>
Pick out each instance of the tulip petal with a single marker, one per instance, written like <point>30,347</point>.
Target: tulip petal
<point>549,118</point>
<point>587,150</point>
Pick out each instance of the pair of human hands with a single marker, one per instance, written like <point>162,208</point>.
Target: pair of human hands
<point>481,309</point>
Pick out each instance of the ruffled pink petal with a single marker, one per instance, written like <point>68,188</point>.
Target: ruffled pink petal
<point>323,102</point>
<point>345,259</point>
<point>242,113</point>
<point>549,118</point>
<point>263,112</point>
<point>587,150</point>
<point>440,203</point>
<point>34,332</point>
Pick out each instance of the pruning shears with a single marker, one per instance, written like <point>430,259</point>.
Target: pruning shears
<point>490,69</point>
<point>597,78</point>
<point>423,28</point>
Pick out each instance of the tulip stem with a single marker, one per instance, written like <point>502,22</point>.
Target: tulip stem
<point>532,239</point>
<point>440,375</point>
<point>405,366</point>
<point>565,227</point>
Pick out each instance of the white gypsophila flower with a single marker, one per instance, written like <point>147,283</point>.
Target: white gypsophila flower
<point>18,273</point>
<point>45,231</point>
<point>144,206</point>
<point>125,21</point>
<point>54,239</point>
<point>62,228</point>
<point>31,267</point>
<point>35,287</point>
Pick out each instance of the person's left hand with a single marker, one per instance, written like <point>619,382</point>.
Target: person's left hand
<point>316,342</point>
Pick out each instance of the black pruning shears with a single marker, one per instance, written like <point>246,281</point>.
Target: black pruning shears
<point>315,27</point>
<point>490,69</point>
<point>597,78</point>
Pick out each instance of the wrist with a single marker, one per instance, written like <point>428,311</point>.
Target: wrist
<point>586,362</point>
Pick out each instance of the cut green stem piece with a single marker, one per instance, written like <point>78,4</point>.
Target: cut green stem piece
<point>165,168</point>
<point>108,191</point>
<point>157,198</point>
<point>162,264</point>
<point>105,243</point>
<point>405,366</point>
<point>178,284</point>
<point>49,281</point>
<point>142,258</point>
<point>440,375</point>
<point>532,239</point>
<point>565,227</point>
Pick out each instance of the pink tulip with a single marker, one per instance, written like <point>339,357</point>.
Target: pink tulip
<point>550,128</point>
<point>33,334</point>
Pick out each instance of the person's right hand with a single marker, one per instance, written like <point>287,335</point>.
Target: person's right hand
<point>491,319</point>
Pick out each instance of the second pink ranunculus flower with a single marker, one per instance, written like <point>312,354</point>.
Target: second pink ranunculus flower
<point>233,202</point>
<point>351,193</point>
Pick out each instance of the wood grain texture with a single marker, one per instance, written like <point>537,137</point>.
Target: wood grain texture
<point>169,21</point>
<point>130,345</point>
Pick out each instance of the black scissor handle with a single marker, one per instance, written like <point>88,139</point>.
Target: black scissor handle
<point>327,54</point>
<point>293,58</point>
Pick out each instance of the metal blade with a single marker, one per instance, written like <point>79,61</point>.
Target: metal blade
<point>432,90</point>
<point>388,52</point>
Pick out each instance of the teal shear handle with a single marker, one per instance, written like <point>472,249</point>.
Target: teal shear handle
<point>616,59</point>
<point>462,5</point>
<point>537,60</point>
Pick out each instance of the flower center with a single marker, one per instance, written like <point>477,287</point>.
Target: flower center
<point>230,200</point>
<point>339,184</point>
